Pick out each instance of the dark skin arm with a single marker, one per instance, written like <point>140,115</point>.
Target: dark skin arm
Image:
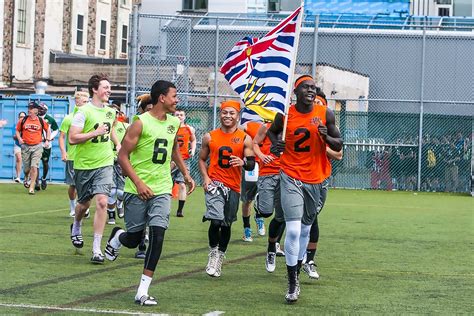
<point>278,145</point>
<point>330,133</point>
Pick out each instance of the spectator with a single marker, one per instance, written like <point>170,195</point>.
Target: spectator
<point>29,132</point>
<point>17,151</point>
<point>452,158</point>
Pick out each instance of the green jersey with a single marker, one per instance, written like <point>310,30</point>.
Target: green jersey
<point>52,122</point>
<point>120,128</point>
<point>151,157</point>
<point>65,125</point>
<point>96,152</point>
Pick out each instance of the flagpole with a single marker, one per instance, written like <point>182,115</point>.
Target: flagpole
<point>292,69</point>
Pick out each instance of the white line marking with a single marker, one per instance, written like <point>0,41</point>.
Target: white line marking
<point>32,213</point>
<point>214,313</point>
<point>85,310</point>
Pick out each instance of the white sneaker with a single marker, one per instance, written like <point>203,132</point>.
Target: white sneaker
<point>220,261</point>
<point>270,262</point>
<point>72,213</point>
<point>260,226</point>
<point>279,252</point>
<point>111,221</point>
<point>17,180</point>
<point>88,214</point>
<point>212,262</point>
<point>310,269</point>
<point>247,237</point>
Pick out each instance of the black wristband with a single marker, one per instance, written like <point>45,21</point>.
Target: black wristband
<point>249,163</point>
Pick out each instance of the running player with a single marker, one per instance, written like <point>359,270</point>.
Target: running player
<point>229,150</point>
<point>67,156</point>
<point>304,167</point>
<point>186,137</point>
<point>53,125</point>
<point>91,130</point>
<point>116,194</point>
<point>148,148</point>
<point>249,190</point>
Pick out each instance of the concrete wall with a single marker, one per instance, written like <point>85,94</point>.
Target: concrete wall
<point>78,73</point>
<point>2,4</point>
<point>52,38</point>
<point>231,6</point>
<point>161,7</point>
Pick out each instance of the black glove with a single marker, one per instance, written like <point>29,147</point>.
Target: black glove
<point>278,148</point>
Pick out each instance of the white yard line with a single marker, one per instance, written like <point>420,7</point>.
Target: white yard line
<point>33,213</point>
<point>214,313</point>
<point>85,310</point>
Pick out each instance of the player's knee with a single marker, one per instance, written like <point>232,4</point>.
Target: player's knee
<point>131,239</point>
<point>101,203</point>
<point>119,195</point>
<point>258,211</point>
<point>216,222</point>
<point>157,233</point>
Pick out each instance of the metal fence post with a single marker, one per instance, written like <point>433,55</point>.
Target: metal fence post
<point>216,70</point>
<point>422,88</point>
<point>315,45</point>
<point>133,56</point>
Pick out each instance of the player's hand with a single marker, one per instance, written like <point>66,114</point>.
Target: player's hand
<point>278,148</point>
<point>172,165</point>
<point>144,192</point>
<point>205,183</point>
<point>323,131</point>
<point>20,141</point>
<point>190,184</point>
<point>267,159</point>
<point>46,144</point>
<point>102,130</point>
<point>64,156</point>
<point>117,147</point>
<point>236,161</point>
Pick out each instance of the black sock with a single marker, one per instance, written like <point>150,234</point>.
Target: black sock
<point>282,230</point>
<point>271,247</point>
<point>180,206</point>
<point>257,215</point>
<point>111,214</point>
<point>213,235</point>
<point>300,263</point>
<point>157,235</point>
<point>310,254</point>
<point>246,220</point>
<point>225,238</point>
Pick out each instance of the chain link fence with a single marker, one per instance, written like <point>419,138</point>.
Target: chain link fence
<point>390,88</point>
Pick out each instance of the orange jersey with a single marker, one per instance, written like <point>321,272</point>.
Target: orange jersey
<point>221,147</point>
<point>269,168</point>
<point>184,138</point>
<point>251,128</point>
<point>32,133</point>
<point>305,157</point>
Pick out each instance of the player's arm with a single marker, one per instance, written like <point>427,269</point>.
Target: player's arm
<point>330,133</point>
<point>258,139</point>
<point>54,130</point>
<point>48,134</point>
<point>179,162</point>
<point>76,136</point>
<point>278,145</point>
<point>129,143</point>
<point>18,133</point>
<point>115,140</point>
<point>248,163</point>
<point>62,146</point>
<point>334,155</point>
<point>202,162</point>
<point>193,140</point>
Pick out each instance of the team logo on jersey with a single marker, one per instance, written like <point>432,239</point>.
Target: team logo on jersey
<point>316,121</point>
<point>235,140</point>
<point>171,129</point>
<point>120,130</point>
<point>109,115</point>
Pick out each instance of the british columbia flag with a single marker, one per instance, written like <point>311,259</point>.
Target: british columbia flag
<point>259,69</point>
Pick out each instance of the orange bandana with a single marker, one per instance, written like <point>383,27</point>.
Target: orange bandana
<point>231,104</point>
<point>304,78</point>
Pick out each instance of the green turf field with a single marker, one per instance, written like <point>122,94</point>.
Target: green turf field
<point>379,253</point>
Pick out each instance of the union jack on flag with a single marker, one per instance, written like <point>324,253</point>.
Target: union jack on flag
<point>258,69</point>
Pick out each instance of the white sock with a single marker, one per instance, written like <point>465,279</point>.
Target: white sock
<point>145,282</point>
<point>76,227</point>
<point>96,243</point>
<point>72,205</point>
<point>304,239</point>
<point>115,241</point>
<point>292,242</point>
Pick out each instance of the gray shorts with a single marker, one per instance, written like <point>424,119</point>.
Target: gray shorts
<point>119,179</point>
<point>268,198</point>
<point>248,189</point>
<point>222,207</point>
<point>324,194</point>
<point>299,200</point>
<point>31,155</point>
<point>70,173</point>
<point>92,182</point>
<point>152,212</point>
<point>176,175</point>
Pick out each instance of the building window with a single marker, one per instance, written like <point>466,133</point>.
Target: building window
<point>443,12</point>
<point>124,39</point>
<point>273,5</point>
<point>195,5</point>
<point>79,29</point>
<point>21,34</point>
<point>103,34</point>
<point>123,2</point>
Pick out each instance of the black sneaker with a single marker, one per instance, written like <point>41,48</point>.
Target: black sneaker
<point>44,184</point>
<point>112,253</point>
<point>140,254</point>
<point>37,186</point>
<point>97,258</point>
<point>179,214</point>
<point>77,240</point>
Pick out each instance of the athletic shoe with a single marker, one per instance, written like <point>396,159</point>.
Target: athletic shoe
<point>179,214</point>
<point>77,240</point>
<point>140,254</point>
<point>88,214</point>
<point>17,180</point>
<point>120,212</point>
<point>212,262</point>
<point>97,258</point>
<point>247,235</point>
<point>279,252</point>
<point>260,226</point>
<point>31,192</point>
<point>72,213</point>
<point>26,184</point>
<point>292,292</point>
<point>111,220</point>
<point>44,184</point>
<point>220,261</point>
<point>37,186</point>
<point>310,269</point>
<point>270,263</point>
<point>146,300</point>
<point>112,253</point>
